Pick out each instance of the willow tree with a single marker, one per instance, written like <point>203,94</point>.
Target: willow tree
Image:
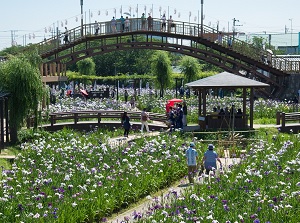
<point>21,77</point>
<point>161,68</point>
<point>190,67</point>
<point>86,66</point>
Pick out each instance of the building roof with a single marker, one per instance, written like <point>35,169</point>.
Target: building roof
<point>226,80</point>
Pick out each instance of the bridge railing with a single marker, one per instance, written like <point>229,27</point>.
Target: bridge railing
<point>286,63</point>
<point>79,116</point>
<point>175,27</point>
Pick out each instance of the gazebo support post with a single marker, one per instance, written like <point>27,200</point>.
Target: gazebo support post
<point>244,106</point>
<point>204,102</point>
<point>251,107</point>
<point>199,100</point>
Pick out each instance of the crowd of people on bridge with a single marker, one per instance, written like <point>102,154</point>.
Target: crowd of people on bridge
<point>126,26</point>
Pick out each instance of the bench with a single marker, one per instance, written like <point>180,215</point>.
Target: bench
<point>287,117</point>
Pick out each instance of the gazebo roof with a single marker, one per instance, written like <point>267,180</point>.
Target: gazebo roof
<point>3,94</point>
<point>226,80</point>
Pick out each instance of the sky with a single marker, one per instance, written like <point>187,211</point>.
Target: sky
<point>30,21</point>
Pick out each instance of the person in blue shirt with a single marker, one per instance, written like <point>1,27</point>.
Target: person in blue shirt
<point>210,159</point>
<point>122,20</point>
<point>191,158</point>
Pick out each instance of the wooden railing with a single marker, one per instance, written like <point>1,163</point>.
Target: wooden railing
<point>78,116</point>
<point>212,121</point>
<point>282,117</point>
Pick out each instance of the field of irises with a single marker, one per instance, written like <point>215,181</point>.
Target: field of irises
<point>264,187</point>
<point>68,176</point>
<point>74,177</point>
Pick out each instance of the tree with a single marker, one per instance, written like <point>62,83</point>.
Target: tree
<point>86,66</point>
<point>189,66</point>
<point>161,68</point>
<point>21,77</point>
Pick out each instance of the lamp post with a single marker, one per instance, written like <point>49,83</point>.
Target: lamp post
<point>291,35</point>
<point>202,18</point>
<point>81,15</point>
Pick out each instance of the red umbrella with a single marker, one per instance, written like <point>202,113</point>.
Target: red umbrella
<point>171,102</point>
<point>174,100</point>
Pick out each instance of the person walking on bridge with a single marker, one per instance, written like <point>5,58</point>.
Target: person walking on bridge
<point>143,18</point>
<point>66,38</point>
<point>163,23</point>
<point>113,25</point>
<point>127,24</point>
<point>122,20</point>
<point>96,27</point>
<point>150,22</point>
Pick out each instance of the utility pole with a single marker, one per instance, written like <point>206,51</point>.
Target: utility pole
<point>291,35</point>
<point>81,15</point>
<point>234,25</point>
<point>202,18</point>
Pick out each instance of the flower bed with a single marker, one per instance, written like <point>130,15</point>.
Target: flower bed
<point>74,177</point>
<point>265,187</point>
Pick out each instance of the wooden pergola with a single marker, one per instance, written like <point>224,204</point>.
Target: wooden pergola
<point>225,80</point>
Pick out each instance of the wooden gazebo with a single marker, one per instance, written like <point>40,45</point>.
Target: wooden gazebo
<point>225,80</point>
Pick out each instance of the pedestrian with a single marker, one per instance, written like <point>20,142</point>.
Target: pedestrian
<point>143,18</point>
<point>184,118</point>
<point>144,120</point>
<point>96,27</point>
<point>210,159</point>
<point>66,37</point>
<point>181,91</point>
<point>113,25</point>
<point>188,93</point>
<point>163,22</point>
<point>122,20</point>
<point>220,38</point>
<point>191,158</point>
<point>229,42</point>
<point>126,124</point>
<point>150,22</point>
<point>132,102</point>
<point>170,24</point>
<point>179,117</point>
<point>127,24</point>
<point>126,96</point>
<point>171,119</point>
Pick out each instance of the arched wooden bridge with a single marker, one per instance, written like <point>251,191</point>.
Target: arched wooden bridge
<point>191,39</point>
